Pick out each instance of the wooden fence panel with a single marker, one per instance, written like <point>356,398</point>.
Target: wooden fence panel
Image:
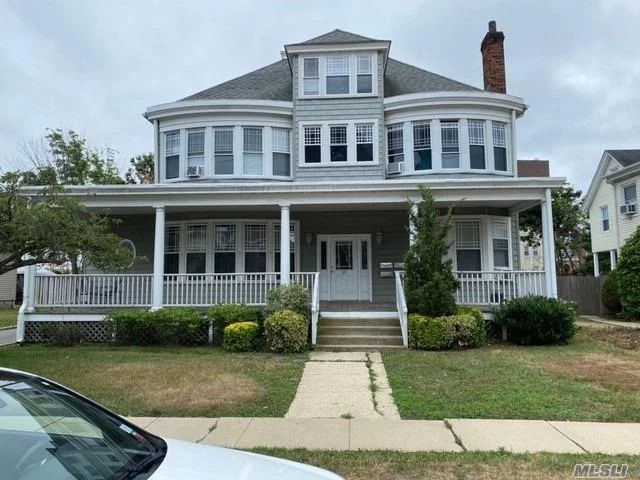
<point>584,291</point>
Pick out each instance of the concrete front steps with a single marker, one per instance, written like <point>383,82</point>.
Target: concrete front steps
<point>359,331</point>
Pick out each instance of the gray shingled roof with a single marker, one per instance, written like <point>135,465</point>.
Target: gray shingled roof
<point>402,78</point>
<point>625,157</point>
<point>272,82</point>
<point>337,36</point>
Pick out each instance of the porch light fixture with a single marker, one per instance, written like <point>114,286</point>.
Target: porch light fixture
<point>379,237</point>
<point>308,238</point>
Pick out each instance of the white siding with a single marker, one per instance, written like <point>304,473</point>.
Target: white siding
<point>627,224</point>
<point>8,288</point>
<point>603,241</point>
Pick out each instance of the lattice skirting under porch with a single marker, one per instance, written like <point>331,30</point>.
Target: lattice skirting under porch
<point>93,331</point>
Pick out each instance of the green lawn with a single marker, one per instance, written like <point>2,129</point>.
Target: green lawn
<point>8,317</point>
<point>455,466</point>
<point>202,381</point>
<point>594,379</point>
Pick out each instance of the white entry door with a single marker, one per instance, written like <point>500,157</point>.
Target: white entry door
<point>344,262</point>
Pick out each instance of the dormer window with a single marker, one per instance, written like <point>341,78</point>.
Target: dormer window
<point>311,76</point>
<point>338,75</point>
<point>365,74</point>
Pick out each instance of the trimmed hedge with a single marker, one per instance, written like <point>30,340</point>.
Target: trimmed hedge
<point>610,292</point>
<point>464,330</point>
<point>294,297</point>
<point>286,332</point>
<point>537,320</point>
<point>628,276</point>
<point>168,326</point>
<point>224,315</point>
<point>241,337</point>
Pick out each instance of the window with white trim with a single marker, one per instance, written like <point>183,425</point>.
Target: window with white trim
<point>476,144</point>
<point>499,146</point>
<point>172,249</point>
<point>281,152</point>
<point>422,146</point>
<point>252,156</point>
<point>172,154</point>
<point>196,248</point>
<point>527,251</point>
<point>223,150</point>
<point>311,76</point>
<point>364,142</point>
<point>255,247</point>
<point>450,144</point>
<point>337,75</point>
<point>195,151</point>
<point>604,218</point>
<point>365,74</point>
<point>338,143</point>
<point>629,194</point>
<point>224,248</point>
<point>292,247</point>
<point>468,246</point>
<point>312,144</point>
<point>395,143</point>
<point>500,242</point>
<point>536,251</point>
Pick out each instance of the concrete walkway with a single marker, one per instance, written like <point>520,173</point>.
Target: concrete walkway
<point>613,323</point>
<point>344,385</point>
<point>7,336</point>
<point>455,435</point>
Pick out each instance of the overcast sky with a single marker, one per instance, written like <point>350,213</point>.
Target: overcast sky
<point>96,66</point>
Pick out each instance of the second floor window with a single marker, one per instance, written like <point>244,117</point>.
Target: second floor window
<point>422,146</point>
<point>172,154</point>
<point>395,142</point>
<point>311,76</point>
<point>476,144</point>
<point>312,144</point>
<point>338,147</point>
<point>364,142</point>
<point>337,75</point>
<point>365,74</point>
<point>604,218</point>
<point>223,151</point>
<point>195,152</point>
<point>500,146</point>
<point>450,144</point>
<point>252,156</point>
<point>629,194</point>
<point>281,152</point>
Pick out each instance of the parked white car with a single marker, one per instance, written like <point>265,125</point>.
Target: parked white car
<point>49,432</point>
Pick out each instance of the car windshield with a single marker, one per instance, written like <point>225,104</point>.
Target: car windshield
<point>48,432</point>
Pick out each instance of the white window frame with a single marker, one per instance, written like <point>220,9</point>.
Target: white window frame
<point>335,141</point>
<point>364,72</point>
<point>502,223</point>
<point>623,198</point>
<point>364,135</point>
<point>604,217</point>
<point>486,240</point>
<point>311,140</point>
<point>325,147</point>
<point>398,157</point>
<point>166,135</point>
<point>222,153</point>
<point>500,143</point>
<point>446,123</point>
<point>353,75</point>
<point>246,152</point>
<point>283,148</point>
<point>477,129</point>
<point>308,77</point>
<point>421,145</point>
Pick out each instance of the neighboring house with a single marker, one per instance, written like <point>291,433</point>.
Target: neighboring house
<point>612,203</point>
<point>8,284</point>
<point>531,257</point>
<point>300,172</point>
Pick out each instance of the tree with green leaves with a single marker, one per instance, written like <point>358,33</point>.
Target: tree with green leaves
<point>627,274</point>
<point>572,236</point>
<point>430,285</point>
<point>48,226</point>
<point>141,169</point>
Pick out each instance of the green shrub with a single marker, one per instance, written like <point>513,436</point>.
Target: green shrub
<point>480,324</point>
<point>610,292</point>
<point>537,320</point>
<point>628,276</point>
<point>286,332</point>
<point>294,297</point>
<point>465,330</point>
<point>241,337</point>
<point>225,314</point>
<point>62,334</point>
<point>168,326</point>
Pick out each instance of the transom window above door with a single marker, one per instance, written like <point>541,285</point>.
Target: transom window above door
<point>338,75</point>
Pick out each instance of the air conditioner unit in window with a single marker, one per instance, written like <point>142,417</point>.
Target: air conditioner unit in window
<point>195,171</point>
<point>628,208</point>
<point>395,168</point>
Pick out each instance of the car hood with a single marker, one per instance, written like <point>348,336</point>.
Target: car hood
<point>191,461</point>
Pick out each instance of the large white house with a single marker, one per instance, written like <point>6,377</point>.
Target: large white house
<point>300,172</point>
<point>612,203</point>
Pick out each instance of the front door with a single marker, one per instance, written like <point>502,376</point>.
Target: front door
<point>344,265</point>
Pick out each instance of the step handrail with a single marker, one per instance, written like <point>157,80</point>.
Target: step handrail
<point>315,307</point>
<point>401,304</point>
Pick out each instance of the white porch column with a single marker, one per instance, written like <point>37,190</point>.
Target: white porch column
<point>548,245</point>
<point>612,256</point>
<point>28,300</point>
<point>596,264</point>
<point>158,260</point>
<point>285,266</point>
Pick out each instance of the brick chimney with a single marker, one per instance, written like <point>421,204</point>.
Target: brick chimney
<point>492,49</point>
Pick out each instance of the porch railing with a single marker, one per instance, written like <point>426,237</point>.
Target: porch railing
<point>495,287</point>
<point>401,304</point>
<point>315,307</point>
<point>93,290</point>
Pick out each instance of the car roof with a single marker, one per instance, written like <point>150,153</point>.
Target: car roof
<point>11,374</point>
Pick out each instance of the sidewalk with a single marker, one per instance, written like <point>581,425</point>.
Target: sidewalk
<point>7,336</point>
<point>613,323</point>
<point>456,435</point>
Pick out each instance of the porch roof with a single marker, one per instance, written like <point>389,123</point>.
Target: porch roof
<point>513,193</point>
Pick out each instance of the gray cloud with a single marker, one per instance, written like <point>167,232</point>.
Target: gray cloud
<point>95,66</point>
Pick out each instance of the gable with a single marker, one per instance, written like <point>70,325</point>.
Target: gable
<point>625,158</point>
<point>607,165</point>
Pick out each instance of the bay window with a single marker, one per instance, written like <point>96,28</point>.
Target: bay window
<point>281,152</point>
<point>196,249</point>
<point>365,74</point>
<point>312,144</point>
<point>395,143</point>
<point>172,155</point>
<point>500,243</point>
<point>338,143</point>
<point>224,257</point>
<point>311,76</point>
<point>422,146</point>
<point>364,142</point>
<point>337,75</point>
<point>172,249</point>
<point>223,151</point>
<point>468,245</point>
<point>499,146</point>
<point>476,144</point>
<point>255,247</point>
<point>252,151</point>
<point>195,152</point>
<point>450,144</point>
